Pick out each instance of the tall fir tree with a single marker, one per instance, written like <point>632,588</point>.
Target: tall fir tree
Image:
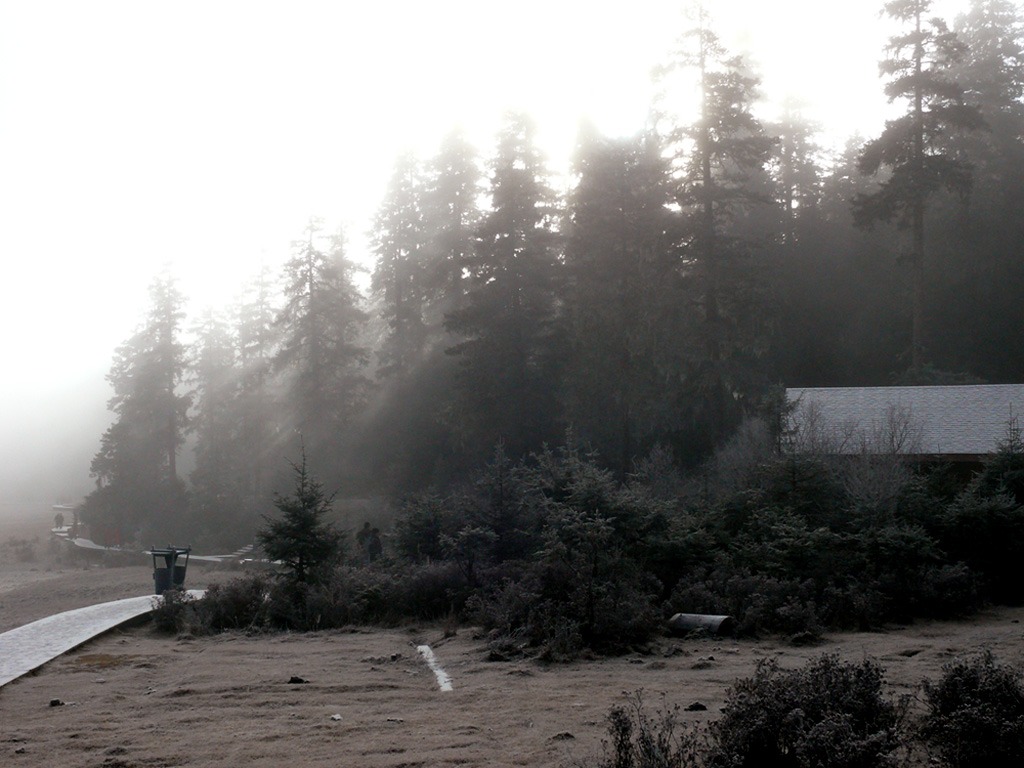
<point>807,326</point>
<point>398,241</point>
<point>408,441</point>
<point>913,149</point>
<point>991,71</point>
<point>508,349</point>
<point>796,162</point>
<point>451,207</point>
<point>258,399</point>
<point>619,301</point>
<point>218,479</point>
<point>722,175</point>
<point>320,356</point>
<point>978,264</point>
<point>138,488</point>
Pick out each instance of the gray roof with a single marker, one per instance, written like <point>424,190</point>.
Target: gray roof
<point>949,420</point>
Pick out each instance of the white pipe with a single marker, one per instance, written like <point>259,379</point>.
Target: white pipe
<point>443,681</point>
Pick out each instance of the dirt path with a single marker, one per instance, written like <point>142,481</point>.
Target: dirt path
<point>138,699</point>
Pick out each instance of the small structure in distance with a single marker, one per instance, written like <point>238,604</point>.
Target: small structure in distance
<point>953,423</point>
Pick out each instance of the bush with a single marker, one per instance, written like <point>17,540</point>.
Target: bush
<point>421,523</point>
<point>582,592</point>
<point>757,603</point>
<point>639,740</point>
<point>828,713</point>
<point>898,557</point>
<point>239,604</point>
<point>22,549</point>
<point>384,595</point>
<point>433,590</point>
<point>506,609</point>
<point>949,592</point>
<point>987,534</point>
<point>174,611</point>
<point>349,596</point>
<point>975,714</point>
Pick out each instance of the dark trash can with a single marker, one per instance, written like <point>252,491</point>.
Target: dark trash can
<point>161,579</point>
<point>167,573</point>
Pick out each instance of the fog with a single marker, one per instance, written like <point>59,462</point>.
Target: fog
<point>50,438</point>
<point>203,136</point>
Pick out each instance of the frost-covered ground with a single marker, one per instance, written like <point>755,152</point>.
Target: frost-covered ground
<point>133,698</point>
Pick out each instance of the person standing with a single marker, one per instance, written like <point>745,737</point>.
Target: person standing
<point>374,546</point>
<point>363,542</point>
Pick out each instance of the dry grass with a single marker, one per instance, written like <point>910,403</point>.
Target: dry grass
<point>135,698</point>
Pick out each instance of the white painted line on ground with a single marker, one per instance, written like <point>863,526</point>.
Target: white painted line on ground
<point>443,681</point>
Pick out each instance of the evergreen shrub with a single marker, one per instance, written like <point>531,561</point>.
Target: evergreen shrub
<point>827,713</point>
<point>975,714</point>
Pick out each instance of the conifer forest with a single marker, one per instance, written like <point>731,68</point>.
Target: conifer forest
<point>627,324</point>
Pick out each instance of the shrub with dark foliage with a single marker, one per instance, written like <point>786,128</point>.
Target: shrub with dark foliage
<point>642,740</point>
<point>584,573</point>
<point>987,534</point>
<point>828,713</point>
<point>174,611</point>
<point>975,714</point>
<point>238,604</point>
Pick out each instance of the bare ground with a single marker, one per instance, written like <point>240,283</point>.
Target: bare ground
<point>134,698</point>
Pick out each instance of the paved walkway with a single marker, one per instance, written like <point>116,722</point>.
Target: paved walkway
<point>29,647</point>
<point>92,545</point>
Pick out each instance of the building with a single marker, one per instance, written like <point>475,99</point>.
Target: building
<point>962,423</point>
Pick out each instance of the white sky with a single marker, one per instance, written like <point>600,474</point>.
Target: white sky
<point>202,134</point>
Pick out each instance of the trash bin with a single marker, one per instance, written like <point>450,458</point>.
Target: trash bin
<point>167,574</point>
<point>161,579</point>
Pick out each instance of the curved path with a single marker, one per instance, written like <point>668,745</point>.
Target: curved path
<point>29,647</point>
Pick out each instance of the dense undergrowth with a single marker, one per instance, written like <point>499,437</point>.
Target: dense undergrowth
<point>554,557</point>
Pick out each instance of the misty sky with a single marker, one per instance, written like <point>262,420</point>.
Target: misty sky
<point>204,134</point>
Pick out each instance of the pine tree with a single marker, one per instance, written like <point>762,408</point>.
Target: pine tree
<point>451,210</point>
<point>138,488</point>
<point>257,403</point>
<point>976,263</point>
<point>991,71</point>
<point>722,172</point>
<point>301,538</point>
<point>409,441</point>
<point>620,272</point>
<point>218,479</point>
<point>991,74</point>
<point>508,355</point>
<point>797,162</point>
<point>808,326</point>
<point>913,148</point>
<point>320,356</point>
<point>398,244</point>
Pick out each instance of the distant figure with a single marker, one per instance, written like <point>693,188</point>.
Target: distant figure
<point>363,541</point>
<point>374,546</point>
<point>58,520</point>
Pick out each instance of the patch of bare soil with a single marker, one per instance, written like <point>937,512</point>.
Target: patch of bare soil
<point>367,698</point>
